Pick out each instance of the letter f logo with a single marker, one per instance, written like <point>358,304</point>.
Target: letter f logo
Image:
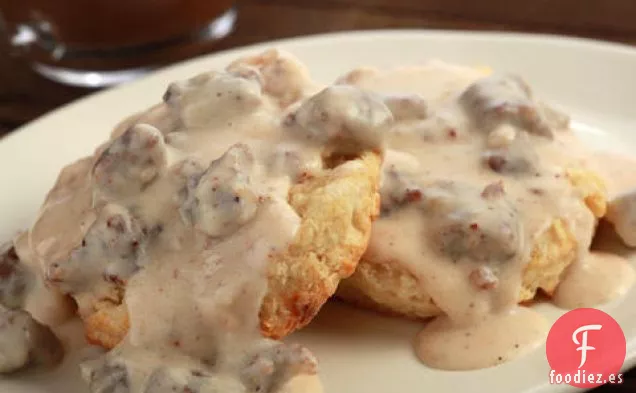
<point>583,343</point>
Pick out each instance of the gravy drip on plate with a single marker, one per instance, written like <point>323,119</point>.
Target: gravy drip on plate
<point>179,213</point>
<point>186,205</point>
<point>475,170</point>
<point>23,340</point>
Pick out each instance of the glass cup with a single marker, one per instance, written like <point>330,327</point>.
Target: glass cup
<point>96,43</point>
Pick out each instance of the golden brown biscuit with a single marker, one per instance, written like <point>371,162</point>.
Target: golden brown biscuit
<point>386,286</point>
<point>336,208</point>
<point>108,325</point>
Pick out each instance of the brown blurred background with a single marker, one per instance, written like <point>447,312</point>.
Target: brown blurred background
<point>24,95</point>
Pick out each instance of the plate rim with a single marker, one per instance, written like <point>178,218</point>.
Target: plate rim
<point>38,125</point>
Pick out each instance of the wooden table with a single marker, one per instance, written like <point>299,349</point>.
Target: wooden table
<point>25,96</point>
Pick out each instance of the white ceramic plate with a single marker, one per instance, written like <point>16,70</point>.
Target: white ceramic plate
<point>360,352</point>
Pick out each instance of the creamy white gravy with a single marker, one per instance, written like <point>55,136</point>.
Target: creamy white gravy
<point>617,170</point>
<point>469,184</point>
<point>177,217</point>
<point>187,202</point>
<point>493,340</point>
<point>597,279</point>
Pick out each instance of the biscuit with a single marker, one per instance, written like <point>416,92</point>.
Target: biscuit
<point>337,208</point>
<point>387,286</point>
